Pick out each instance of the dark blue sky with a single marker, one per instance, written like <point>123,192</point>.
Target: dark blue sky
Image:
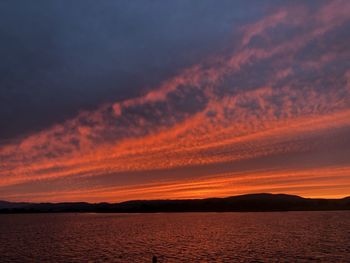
<point>58,57</point>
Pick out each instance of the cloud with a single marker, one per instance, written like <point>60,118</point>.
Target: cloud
<point>59,58</point>
<point>259,99</point>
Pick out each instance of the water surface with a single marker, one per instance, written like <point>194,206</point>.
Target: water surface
<point>176,237</point>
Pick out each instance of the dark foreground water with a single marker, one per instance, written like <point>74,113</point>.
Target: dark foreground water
<point>187,237</point>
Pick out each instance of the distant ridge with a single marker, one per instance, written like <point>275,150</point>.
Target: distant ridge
<point>241,203</point>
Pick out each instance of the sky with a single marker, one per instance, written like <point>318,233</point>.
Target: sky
<point>106,101</point>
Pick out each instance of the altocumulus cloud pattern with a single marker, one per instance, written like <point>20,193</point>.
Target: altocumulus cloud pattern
<point>269,111</point>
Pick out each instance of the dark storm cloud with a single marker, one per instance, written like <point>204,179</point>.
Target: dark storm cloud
<point>58,57</point>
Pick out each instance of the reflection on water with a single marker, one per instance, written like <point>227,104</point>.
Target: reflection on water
<point>187,237</point>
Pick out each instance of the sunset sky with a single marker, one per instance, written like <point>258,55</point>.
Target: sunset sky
<point>119,100</point>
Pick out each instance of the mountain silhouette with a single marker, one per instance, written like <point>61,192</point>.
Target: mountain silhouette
<point>242,203</point>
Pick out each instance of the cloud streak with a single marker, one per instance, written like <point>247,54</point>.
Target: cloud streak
<point>279,92</point>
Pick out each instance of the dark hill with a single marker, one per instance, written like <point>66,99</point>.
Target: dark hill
<point>242,203</point>
<point>11,205</point>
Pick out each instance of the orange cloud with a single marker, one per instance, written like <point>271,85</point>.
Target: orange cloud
<point>211,113</point>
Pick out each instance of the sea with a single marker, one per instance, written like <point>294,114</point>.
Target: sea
<point>176,237</point>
